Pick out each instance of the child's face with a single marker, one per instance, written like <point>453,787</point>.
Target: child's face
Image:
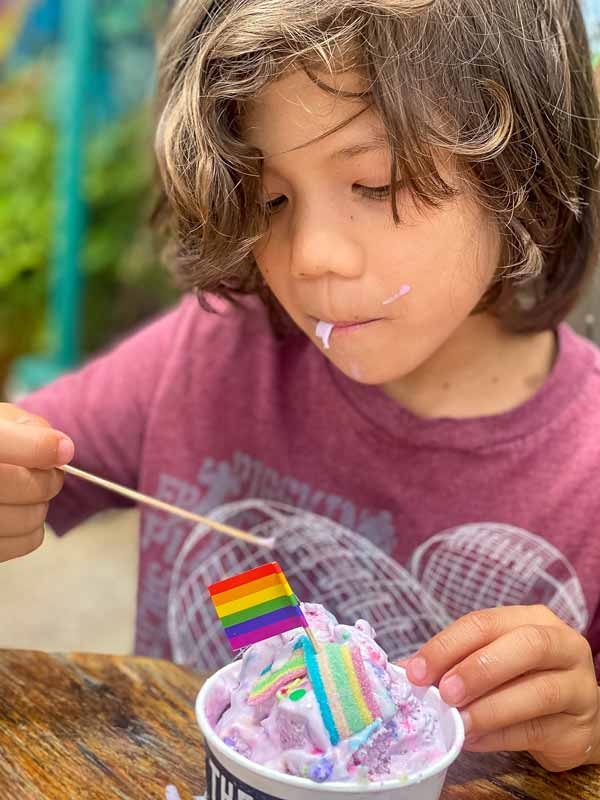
<point>334,253</point>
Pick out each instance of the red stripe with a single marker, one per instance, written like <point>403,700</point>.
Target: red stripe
<point>252,637</point>
<point>245,577</point>
<point>364,683</point>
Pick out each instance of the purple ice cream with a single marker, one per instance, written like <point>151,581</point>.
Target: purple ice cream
<point>267,710</point>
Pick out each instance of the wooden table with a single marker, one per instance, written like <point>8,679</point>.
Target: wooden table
<point>91,727</point>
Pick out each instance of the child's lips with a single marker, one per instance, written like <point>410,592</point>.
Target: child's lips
<point>342,324</point>
<point>355,324</point>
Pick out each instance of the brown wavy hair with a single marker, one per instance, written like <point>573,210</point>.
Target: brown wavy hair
<point>506,87</point>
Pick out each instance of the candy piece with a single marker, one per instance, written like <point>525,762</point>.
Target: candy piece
<point>364,683</point>
<point>284,693</point>
<point>342,688</point>
<point>272,681</point>
<point>321,770</point>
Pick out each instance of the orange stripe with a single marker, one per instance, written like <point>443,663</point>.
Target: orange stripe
<point>248,588</point>
<point>256,598</point>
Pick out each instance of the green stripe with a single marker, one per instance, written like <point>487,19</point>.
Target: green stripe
<point>271,677</point>
<point>344,690</point>
<point>258,611</point>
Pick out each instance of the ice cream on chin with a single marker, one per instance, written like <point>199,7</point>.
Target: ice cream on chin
<point>344,714</point>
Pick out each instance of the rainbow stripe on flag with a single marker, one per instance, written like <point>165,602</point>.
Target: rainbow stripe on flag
<point>256,605</point>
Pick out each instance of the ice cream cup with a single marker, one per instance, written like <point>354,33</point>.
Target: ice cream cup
<point>230,776</point>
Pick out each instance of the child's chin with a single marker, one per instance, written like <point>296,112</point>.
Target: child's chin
<point>369,373</point>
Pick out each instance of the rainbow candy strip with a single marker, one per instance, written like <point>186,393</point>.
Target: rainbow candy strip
<point>342,689</point>
<point>256,605</point>
<point>267,686</point>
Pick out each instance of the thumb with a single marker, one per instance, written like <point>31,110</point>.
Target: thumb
<point>404,662</point>
<point>12,413</point>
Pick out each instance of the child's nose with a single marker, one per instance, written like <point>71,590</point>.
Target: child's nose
<point>325,249</point>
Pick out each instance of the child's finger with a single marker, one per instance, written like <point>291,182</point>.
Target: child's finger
<point>528,648</point>
<point>33,446</point>
<point>17,546</point>
<point>22,486</point>
<point>11,413</point>
<point>17,521</point>
<point>469,634</point>
<point>563,744</point>
<point>403,662</point>
<point>528,697</point>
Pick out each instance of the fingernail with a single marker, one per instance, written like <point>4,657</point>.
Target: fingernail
<point>466,719</point>
<point>453,689</point>
<point>65,452</point>
<point>417,668</point>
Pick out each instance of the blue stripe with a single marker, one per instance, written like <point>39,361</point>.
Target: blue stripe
<point>288,612</point>
<point>317,683</point>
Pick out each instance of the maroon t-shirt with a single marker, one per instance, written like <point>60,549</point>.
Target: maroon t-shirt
<point>204,409</point>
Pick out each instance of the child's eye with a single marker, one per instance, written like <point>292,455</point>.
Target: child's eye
<point>274,205</point>
<point>374,192</point>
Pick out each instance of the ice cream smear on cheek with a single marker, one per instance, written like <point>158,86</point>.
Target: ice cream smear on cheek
<point>402,292</point>
<point>324,332</point>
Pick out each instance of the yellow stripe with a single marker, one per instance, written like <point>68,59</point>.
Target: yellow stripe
<point>281,590</point>
<point>248,589</point>
<point>355,686</point>
<point>331,695</point>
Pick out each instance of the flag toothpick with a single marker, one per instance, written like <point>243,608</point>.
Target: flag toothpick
<point>256,605</point>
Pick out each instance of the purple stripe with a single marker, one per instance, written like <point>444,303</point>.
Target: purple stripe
<point>246,639</point>
<point>265,619</point>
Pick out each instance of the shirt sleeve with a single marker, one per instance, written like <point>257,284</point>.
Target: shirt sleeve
<point>104,408</point>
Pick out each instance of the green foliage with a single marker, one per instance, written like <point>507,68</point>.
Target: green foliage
<point>27,145</point>
<point>123,279</point>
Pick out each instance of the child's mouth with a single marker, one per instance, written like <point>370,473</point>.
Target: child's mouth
<point>325,329</point>
<point>345,325</point>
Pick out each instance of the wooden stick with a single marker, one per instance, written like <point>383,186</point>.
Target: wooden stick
<point>138,497</point>
<point>313,639</point>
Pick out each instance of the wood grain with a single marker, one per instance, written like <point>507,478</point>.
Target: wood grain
<point>96,727</point>
<point>93,727</point>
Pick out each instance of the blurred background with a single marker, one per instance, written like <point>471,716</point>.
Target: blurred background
<point>77,264</point>
<point>78,268</point>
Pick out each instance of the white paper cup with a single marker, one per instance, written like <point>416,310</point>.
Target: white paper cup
<point>230,776</point>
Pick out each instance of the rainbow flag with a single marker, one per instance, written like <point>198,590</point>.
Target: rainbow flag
<point>256,605</point>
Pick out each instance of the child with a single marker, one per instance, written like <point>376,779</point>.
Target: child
<point>410,187</point>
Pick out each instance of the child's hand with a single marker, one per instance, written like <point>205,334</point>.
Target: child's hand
<point>522,679</point>
<point>29,449</point>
